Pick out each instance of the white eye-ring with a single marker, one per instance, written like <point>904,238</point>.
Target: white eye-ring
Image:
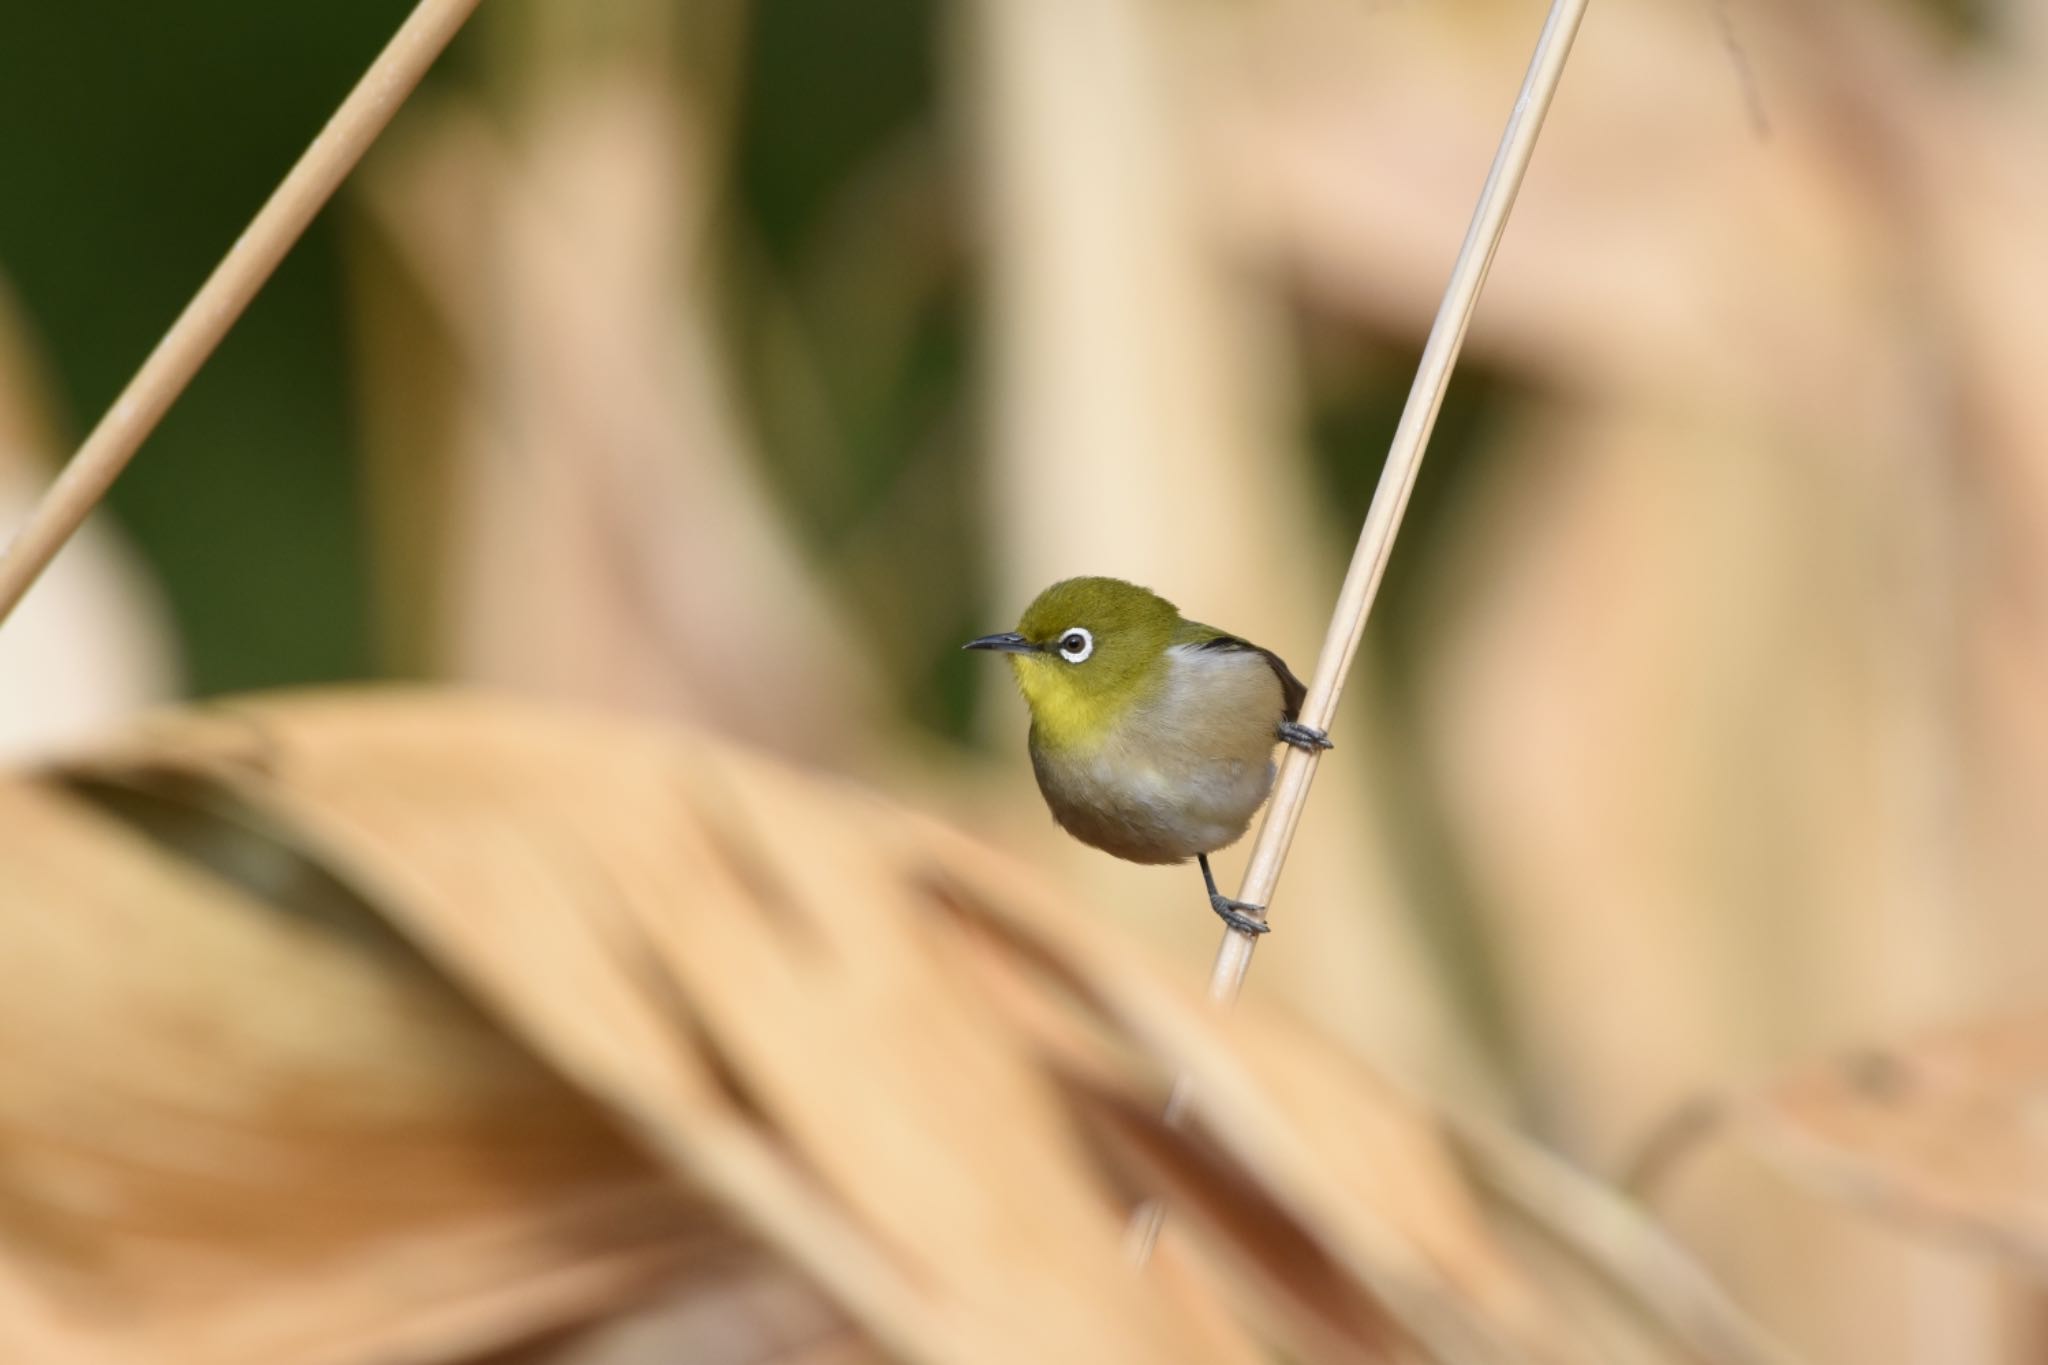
<point>1076,644</point>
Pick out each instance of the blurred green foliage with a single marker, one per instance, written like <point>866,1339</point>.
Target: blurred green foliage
<point>827,87</point>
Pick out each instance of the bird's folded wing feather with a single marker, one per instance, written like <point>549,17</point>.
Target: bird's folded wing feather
<point>1199,636</point>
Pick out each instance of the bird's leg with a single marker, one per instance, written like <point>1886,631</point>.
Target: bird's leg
<point>1246,919</point>
<point>1305,736</point>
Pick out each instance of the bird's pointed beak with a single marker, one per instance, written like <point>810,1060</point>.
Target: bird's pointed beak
<point>1009,642</point>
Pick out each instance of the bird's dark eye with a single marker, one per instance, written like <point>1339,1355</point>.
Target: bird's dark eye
<point>1076,645</point>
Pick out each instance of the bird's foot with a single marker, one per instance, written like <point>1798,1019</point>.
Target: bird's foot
<point>1240,915</point>
<point>1305,737</point>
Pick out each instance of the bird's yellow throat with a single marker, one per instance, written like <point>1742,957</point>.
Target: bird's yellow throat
<point>1067,715</point>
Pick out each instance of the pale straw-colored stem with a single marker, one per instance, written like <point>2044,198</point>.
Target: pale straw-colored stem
<point>220,301</point>
<point>1382,521</point>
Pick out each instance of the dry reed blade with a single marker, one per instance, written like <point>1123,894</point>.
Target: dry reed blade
<point>1383,518</point>
<point>1937,1133</point>
<point>604,446</point>
<point>97,645</point>
<point>861,1035</point>
<point>725,1041</point>
<point>245,268</point>
<point>1617,1241</point>
<point>346,1162</point>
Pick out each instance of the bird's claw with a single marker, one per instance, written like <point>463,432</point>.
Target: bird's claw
<point>1239,915</point>
<point>1305,737</point>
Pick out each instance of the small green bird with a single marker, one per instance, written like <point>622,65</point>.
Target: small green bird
<point>1152,736</point>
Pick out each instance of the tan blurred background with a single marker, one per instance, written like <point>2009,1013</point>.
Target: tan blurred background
<point>737,361</point>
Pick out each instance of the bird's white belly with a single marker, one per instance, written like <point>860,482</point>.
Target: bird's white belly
<point>1181,776</point>
<point>1189,808</point>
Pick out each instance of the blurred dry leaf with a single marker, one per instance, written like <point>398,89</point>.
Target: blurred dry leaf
<point>919,1084</point>
<point>1946,1134</point>
<point>27,426</point>
<point>766,1316</point>
<point>601,531</point>
<point>91,645</point>
<point>242,1129</point>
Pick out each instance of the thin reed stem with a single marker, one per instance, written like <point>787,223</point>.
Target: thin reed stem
<point>248,263</point>
<point>1382,522</point>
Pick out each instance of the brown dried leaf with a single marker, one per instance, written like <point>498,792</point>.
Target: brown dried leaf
<point>767,1317</point>
<point>236,1132</point>
<point>1322,1179</point>
<point>726,954</point>
<point>1945,1133</point>
<point>926,1086</point>
<point>603,499</point>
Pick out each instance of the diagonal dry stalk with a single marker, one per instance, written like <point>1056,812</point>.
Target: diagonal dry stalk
<point>1383,521</point>
<point>274,230</point>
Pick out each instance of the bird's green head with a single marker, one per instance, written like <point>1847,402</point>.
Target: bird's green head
<point>1087,649</point>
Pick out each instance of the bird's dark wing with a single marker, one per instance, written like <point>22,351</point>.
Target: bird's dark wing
<point>1292,689</point>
